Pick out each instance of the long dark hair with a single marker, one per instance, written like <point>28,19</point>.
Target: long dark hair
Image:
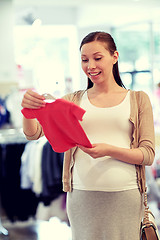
<point>110,46</point>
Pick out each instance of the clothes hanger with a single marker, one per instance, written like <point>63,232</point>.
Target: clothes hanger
<point>48,97</point>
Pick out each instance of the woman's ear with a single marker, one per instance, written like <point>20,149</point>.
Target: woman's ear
<point>115,57</point>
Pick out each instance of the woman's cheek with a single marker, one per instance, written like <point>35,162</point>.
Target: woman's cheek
<point>84,68</point>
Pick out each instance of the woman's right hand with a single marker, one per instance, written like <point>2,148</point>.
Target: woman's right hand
<point>33,100</point>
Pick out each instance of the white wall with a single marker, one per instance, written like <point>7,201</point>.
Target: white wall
<point>7,64</point>
<point>49,15</point>
<point>62,15</point>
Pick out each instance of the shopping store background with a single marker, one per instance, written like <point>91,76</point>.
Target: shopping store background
<point>39,49</point>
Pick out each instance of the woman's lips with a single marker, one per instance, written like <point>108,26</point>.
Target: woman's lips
<point>94,74</point>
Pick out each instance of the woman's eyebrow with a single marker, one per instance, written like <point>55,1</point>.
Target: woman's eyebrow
<point>97,53</point>
<point>83,55</point>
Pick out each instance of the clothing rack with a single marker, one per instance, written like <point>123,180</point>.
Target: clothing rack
<point>10,139</point>
<point>9,136</point>
<point>3,231</point>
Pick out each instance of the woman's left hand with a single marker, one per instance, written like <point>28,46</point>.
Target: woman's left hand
<point>97,150</point>
<point>132,156</point>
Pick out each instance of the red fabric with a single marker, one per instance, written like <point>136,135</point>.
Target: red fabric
<point>61,127</point>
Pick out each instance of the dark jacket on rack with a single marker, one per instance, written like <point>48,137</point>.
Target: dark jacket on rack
<point>52,165</point>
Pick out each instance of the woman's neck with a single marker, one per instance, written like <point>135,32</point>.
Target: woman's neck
<point>106,88</point>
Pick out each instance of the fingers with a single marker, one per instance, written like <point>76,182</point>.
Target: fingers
<point>89,151</point>
<point>94,152</point>
<point>83,148</point>
<point>86,150</point>
<point>32,99</point>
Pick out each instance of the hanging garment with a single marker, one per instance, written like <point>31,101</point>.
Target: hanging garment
<point>19,204</point>
<point>4,113</point>
<point>60,122</point>
<point>31,166</point>
<point>41,170</point>
<point>52,165</point>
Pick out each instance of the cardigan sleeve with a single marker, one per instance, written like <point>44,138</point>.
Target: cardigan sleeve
<point>39,133</point>
<point>146,129</point>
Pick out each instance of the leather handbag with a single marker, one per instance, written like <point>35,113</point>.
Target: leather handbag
<point>149,229</point>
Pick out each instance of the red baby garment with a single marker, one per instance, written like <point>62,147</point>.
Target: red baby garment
<point>60,124</point>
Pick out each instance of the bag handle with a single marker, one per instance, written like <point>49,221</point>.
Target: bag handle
<point>146,215</point>
<point>146,220</point>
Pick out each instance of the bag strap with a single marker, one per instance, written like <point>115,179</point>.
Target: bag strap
<point>146,220</point>
<point>146,214</point>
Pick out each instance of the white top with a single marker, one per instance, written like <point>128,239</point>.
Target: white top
<point>105,125</point>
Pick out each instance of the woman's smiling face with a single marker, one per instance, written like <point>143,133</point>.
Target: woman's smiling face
<point>97,62</point>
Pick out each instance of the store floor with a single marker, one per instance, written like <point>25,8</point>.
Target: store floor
<point>53,229</point>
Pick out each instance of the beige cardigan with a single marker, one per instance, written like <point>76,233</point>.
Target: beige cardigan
<point>143,136</point>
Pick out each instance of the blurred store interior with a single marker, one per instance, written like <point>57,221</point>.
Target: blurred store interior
<point>39,49</point>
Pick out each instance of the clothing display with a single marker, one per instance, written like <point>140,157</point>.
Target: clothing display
<point>4,113</point>
<point>60,122</point>
<point>30,171</point>
<point>57,208</point>
<point>52,164</point>
<point>41,170</point>
<point>30,174</point>
<point>18,203</point>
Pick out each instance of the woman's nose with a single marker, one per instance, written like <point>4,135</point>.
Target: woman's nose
<point>91,65</point>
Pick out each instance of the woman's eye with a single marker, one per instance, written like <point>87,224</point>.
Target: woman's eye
<point>97,59</point>
<point>84,60</point>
